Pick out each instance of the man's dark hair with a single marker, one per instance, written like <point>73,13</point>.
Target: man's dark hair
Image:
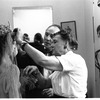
<point>25,34</point>
<point>38,37</point>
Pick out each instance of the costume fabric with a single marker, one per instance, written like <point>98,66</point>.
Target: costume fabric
<point>9,81</point>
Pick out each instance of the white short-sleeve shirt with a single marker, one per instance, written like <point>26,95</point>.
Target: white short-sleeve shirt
<point>72,81</point>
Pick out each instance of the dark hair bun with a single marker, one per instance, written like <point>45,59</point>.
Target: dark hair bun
<point>73,43</point>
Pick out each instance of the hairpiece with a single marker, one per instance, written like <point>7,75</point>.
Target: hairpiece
<point>4,30</point>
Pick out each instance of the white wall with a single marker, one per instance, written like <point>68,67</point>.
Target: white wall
<point>64,10</point>
<point>90,46</point>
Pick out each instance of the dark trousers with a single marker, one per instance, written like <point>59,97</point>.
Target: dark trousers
<point>57,96</point>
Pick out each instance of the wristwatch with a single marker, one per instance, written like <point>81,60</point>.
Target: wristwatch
<point>23,45</point>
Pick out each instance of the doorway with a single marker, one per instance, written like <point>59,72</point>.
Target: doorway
<point>32,20</point>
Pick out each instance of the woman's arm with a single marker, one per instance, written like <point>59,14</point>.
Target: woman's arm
<point>41,59</point>
<point>51,63</point>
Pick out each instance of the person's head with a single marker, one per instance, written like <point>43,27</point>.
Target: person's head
<point>38,38</point>
<point>62,43</point>
<point>98,31</point>
<point>48,35</point>
<point>26,37</point>
<point>6,41</point>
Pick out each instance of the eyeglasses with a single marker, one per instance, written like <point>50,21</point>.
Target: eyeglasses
<point>61,32</point>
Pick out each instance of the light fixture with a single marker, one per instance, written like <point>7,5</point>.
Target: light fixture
<point>98,3</point>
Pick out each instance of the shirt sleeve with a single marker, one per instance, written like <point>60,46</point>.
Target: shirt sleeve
<point>66,62</point>
<point>14,84</point>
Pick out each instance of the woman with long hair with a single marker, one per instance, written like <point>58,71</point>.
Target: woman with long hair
<point>9,72</point>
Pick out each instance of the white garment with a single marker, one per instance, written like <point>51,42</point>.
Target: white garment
<point>46,73</point>
<point>72,81</point>
<point>9,81</point>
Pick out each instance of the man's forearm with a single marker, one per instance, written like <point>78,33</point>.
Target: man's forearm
<point>48,83</point>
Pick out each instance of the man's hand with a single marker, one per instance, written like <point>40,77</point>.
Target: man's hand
<point>31,69</point>
<point>41,81</point>
<point>48,92</point>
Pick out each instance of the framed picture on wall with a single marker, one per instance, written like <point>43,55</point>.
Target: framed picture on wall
<point>70,27</point>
